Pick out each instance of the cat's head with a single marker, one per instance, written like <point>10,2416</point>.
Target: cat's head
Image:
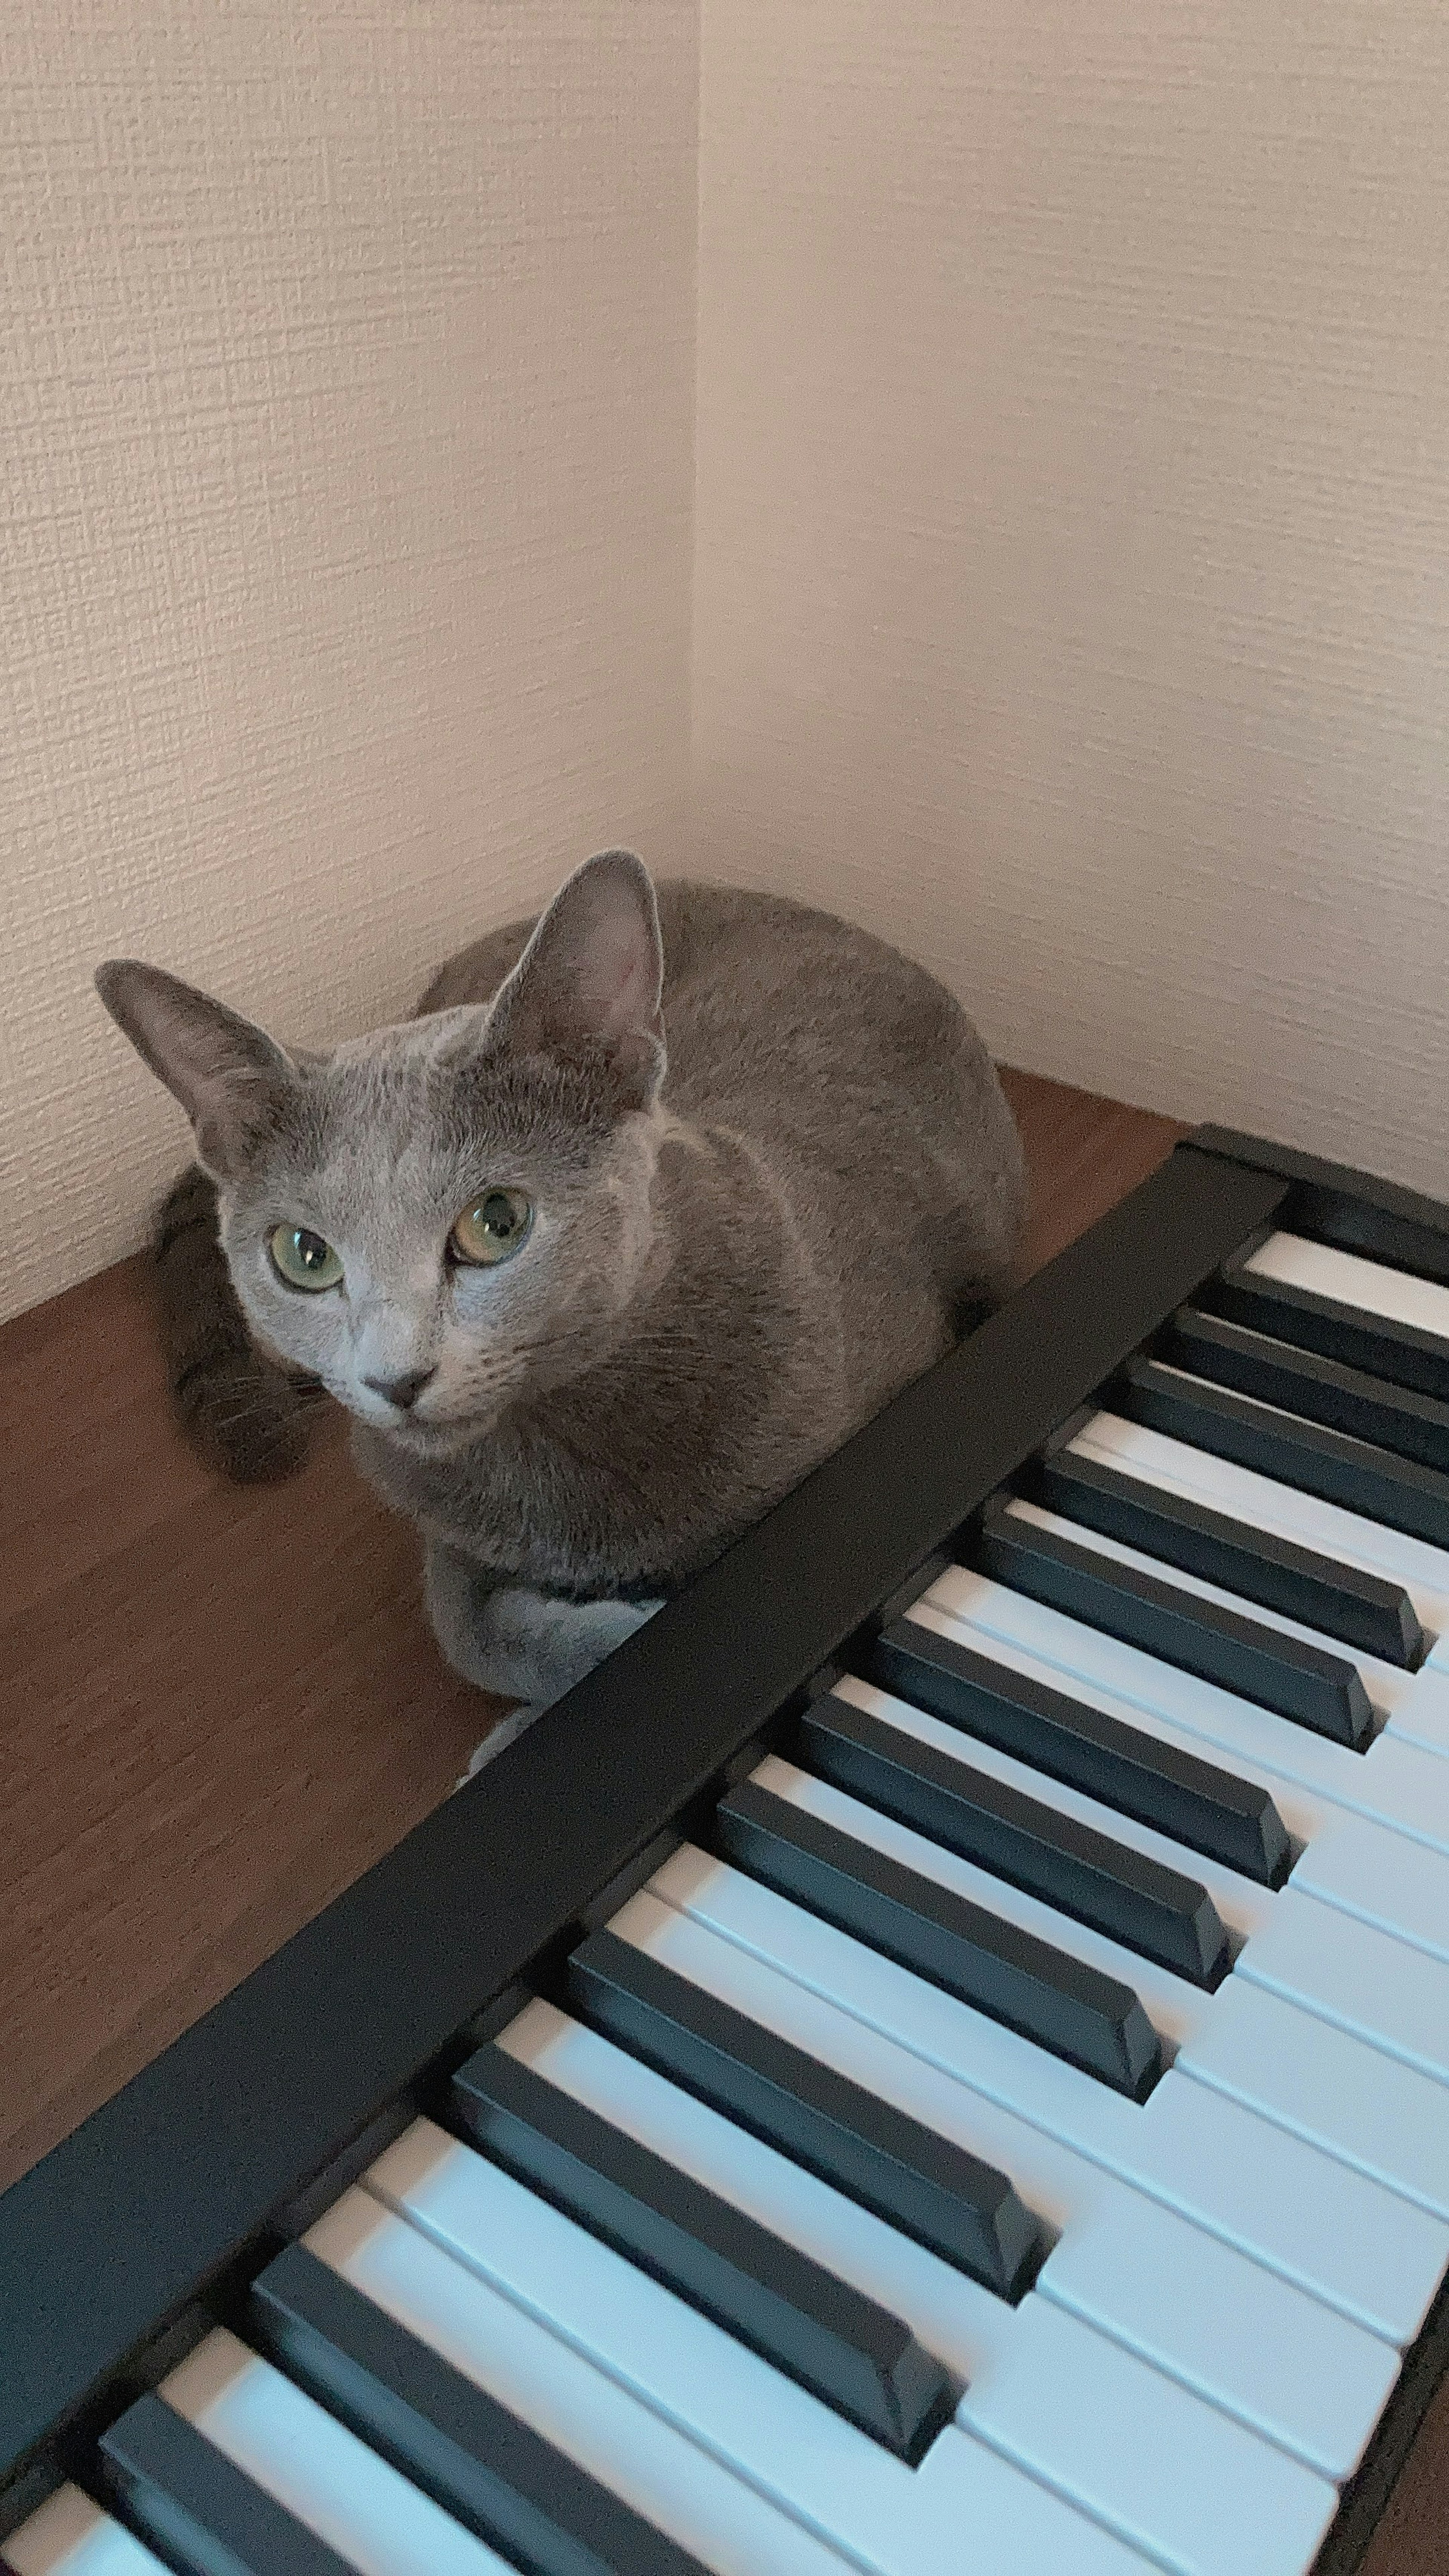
<point>441,1215</point>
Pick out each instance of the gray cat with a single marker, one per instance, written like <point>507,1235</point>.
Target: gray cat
<point>590,1318</point>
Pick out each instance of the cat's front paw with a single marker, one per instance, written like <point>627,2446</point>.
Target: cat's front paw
<point>503,1733</point>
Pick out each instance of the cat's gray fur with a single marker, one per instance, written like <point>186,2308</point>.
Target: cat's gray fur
<point>729,1268</point>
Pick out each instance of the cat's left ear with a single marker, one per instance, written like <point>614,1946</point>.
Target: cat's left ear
<point>590,979</point>
<point>231,1079</point>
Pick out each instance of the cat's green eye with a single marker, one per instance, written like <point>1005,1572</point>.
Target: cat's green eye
<point>492,1228</point>
<point>303,1259</point>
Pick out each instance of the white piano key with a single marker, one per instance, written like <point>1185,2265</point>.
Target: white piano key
<point>1187,2302</point>
<point>1383,2118</point>
<point>1260,1502</point>
<point>837,2481</point>
<point>1398,1782</point>
<point>552,2386</point>
<point>323,2474</point>
<point>1344,1970</point>
<point>1364,1980</point>
<point>1382,1878</point>
<point>1096,2422</point>
<point>1352,1280</point>
<point>70,2536</point>
<point>1395,2123</point>
<point>1367,2252</point>
<point>1421,1716</point>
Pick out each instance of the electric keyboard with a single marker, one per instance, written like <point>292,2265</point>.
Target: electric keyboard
<point>934,2057</point>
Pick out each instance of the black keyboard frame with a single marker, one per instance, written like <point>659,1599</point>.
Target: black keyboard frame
<point>126,2242</point>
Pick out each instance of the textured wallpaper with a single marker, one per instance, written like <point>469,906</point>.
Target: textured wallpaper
<point>1057,444</point>
<point>346,417</point>
<point>1072,550</point>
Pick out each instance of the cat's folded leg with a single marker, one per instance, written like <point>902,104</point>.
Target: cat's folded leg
<point>524,1645</point>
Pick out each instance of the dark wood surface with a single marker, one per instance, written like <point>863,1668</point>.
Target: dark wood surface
<point>218,1706</point>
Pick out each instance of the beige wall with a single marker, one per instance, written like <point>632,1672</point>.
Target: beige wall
<point>1070,522</point>
<point>346,399</point>
<point>1072,548</point>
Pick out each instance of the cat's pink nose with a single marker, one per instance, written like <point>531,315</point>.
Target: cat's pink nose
<point>402,1391</point>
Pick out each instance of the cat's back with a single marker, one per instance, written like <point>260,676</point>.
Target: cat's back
<point>763,995</point>
<point>839,1059</point>
<point>858,1078</point>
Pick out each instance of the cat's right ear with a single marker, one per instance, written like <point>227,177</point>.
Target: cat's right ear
<point>231,1079</point>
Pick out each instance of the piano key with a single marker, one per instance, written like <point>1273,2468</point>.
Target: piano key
<point>636,2338</point>
<point>1396,1296</point>
<point>1242,1903</point>
<point>1097,2022</point>
<point>1351,1472</point>
<point>1196,1802</point>
<point>1396,1781</point>
<point>70,2536</point>
<point>1345,1971</point>
<point>1356,1975</point>
<point>1394,2123</point>
<point>1382,1990</point>
<point>1374,2256</point>
<point>1184,2300</point>
<point>850,2352</point>
<point>993,2348</point>
<point>1386,1686</point>
<point>1410,1706</point>
<point>1363,1338</point>
<point>1339,1599</point>
<point>294,2452</point>
<point>1380,1877</point>
<point>601,2424</point>
<point>1300,1382</point>
<point>484,2466</point>
<point>208,2516</point>
<point>1356,1867</point>
<point>1414,1706</point>
<point>1179,1627</point>
<point>1384,2119</point>
<point>941,2196</point>
<point>952,2316</point>
<point>1353,1861</point>
<point>1142,1902</point>
<point>1264,1503</point>
<point>1099,2427</point>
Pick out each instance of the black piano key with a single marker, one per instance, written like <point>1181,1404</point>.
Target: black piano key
<point>1402,1354</point>
<point>1093,2020</point>
<point>203,2513</point>
<point>1118,1891</point>
<point>1287,1674</point>
<point>1207,1809</point>
<point>908,2175</point>
<point>1363,1610</point>
<point>489,2470</point>
<point>832,2338</point>
<point>1412,1426</point>
<point>1318,1461</point>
